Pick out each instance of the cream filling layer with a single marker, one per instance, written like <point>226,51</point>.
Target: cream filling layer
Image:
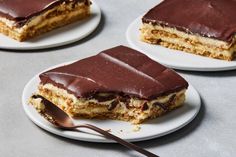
<point>42,19</point>
<point>81,106</point>
<point>146,30</point>
<point>134,102</point>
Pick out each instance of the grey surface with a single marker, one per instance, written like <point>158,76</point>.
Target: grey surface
<point>210,134</point>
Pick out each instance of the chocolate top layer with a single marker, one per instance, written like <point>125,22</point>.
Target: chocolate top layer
<point>119,70</point>
<point>208,18</point>
<point>21,10</point>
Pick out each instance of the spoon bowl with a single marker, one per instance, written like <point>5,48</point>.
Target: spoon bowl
<point>62,120</point>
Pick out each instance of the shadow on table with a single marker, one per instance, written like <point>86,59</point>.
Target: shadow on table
<point>87,38</point>
<point>177,135</point>
<point>228,73</point>
<point>154,143</point>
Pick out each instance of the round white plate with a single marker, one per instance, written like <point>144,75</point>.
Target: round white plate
<point>151,129</point>
<point>174,58</point>
<point>58,37</point>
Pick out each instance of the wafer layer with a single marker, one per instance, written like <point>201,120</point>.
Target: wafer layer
<point>49,18</point>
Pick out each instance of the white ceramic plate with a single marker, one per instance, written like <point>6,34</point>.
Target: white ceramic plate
<point>151,129</point>
<point>173,58</point>
<point>58,37</point>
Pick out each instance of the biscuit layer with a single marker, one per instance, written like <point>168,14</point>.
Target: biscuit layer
<point>133,110</point>
<point>175,39</point>
<point>56,17</point>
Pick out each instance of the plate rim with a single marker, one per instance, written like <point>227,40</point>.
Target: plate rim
<point>94,9</point>
<point>177,66</point>
<point>50,128</point>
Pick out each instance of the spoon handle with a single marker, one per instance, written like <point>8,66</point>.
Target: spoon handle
<point>117,139</point>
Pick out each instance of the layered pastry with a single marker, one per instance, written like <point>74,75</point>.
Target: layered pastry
<point>24,19</point>
<point>118,83</point>
<point>202,27</point>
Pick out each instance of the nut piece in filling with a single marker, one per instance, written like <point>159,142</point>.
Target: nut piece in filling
<point>25,19</point>
<point>118,83</point>
<point>207,29</point>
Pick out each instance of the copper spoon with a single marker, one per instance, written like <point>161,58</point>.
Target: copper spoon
<point>61,120</point>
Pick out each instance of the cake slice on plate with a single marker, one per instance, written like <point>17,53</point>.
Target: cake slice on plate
<point>203,27</point>
<point>118,83</point>
<point>24,19</point>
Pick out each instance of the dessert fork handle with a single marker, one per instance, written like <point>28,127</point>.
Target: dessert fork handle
<point>117,139</point>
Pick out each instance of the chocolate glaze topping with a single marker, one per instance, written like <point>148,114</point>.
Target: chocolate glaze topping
<point>119,70</point>
<point>208,18</point>
<point>21,10</point>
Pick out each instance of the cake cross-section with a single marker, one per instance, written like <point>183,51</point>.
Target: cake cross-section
<point>203,27</point>
<point>118,83</point>
<point>24,19</point>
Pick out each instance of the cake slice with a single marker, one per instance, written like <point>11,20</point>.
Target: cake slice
<point>202,27</point>
<point>118,83</point>
<point>24,19</point>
